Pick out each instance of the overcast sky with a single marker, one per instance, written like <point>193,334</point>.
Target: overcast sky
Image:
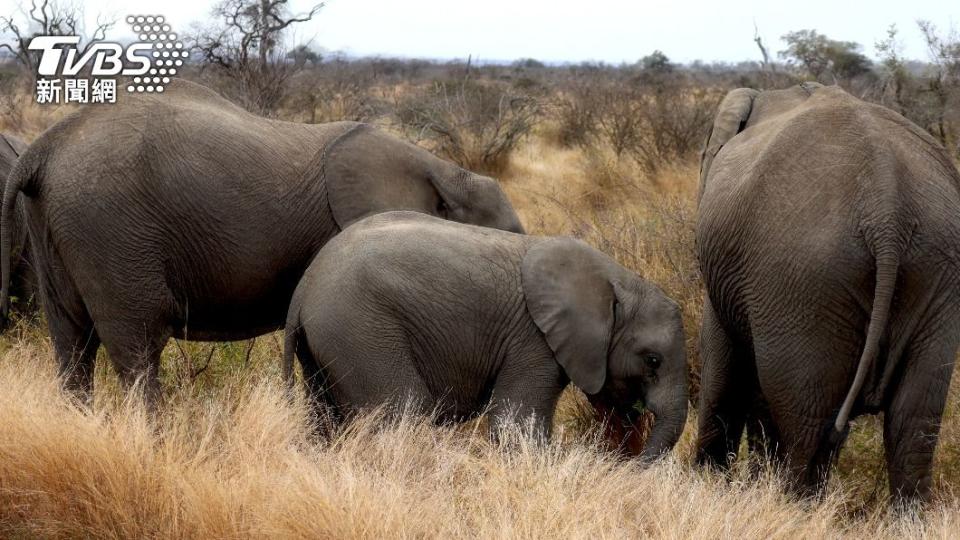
<point>560,30</point>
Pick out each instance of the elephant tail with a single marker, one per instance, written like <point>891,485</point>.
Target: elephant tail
<point>888,263</point>
<point>23,175</point>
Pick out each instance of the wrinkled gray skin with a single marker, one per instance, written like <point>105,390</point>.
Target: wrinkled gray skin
<point>404,306</point>
<point>179,214</point>
<point>829,244</point>
<point>23,280</point>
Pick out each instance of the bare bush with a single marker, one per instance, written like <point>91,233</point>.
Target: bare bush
<point>675,121</point>
<point>475,124</point>
<point>651,121</point>
<point>331,94</point>
<point>575,112</point>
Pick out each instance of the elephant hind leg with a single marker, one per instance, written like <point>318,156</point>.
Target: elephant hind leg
<point>762,437</point>
<point>72,333</point>
<point>135,350</point>
<point>802,410</point>
<point>912,418</point>
<point>326,414</point>
<point>807,453</point>
<point>725,392</point>
<point>75,344</point>
<point>361,374</point>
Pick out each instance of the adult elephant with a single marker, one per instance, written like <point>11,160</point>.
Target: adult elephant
<point>463,319</point>
<point>829,243</point>
<point>24,281</point>
<point>179,214</point>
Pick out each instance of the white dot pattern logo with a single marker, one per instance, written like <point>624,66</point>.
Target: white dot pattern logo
<point>166,54</point>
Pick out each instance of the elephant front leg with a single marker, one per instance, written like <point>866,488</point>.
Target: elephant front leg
<point>724,397</point>
<point>912,420</point>
<point>525,401</point>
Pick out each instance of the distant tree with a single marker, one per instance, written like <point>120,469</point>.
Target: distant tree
<point>246,47</point>
<point>529,63</point>
<point>301,54</point>
<point>895,76</point>
<point>943,81</point>
<point>46,18</point>
<point>765,63</point>
<point>656,62</point>
<point>818,55</point>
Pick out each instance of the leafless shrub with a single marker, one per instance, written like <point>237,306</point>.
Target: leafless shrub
<point>331,94</point>
<point>651,123</point>
<point>675,121</point>
<point>620,117</point>
<point>475,124</point>
<point>575,116</point>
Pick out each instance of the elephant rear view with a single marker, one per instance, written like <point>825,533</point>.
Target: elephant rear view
<point>180,214</point>
<point>829,243</point>
<point>463,319</point>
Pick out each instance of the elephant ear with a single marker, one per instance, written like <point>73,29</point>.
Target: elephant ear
<point>732,116</point>
<point>571,299</point>
<point>368,172</point>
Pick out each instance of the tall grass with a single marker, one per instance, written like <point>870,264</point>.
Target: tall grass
<point>242,462</point>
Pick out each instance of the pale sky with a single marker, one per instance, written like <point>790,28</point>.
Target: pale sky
<point>562,30</point>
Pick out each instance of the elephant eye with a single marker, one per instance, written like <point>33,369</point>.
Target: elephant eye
<point>653,360</point>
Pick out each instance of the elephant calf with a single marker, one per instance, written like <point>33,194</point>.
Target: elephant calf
<point>404,306</point>
<point>829,242</point>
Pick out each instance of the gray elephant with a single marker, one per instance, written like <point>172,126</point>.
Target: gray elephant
<point>829,244</point>
<point>24,284</point>
<point>179,214</point>
<point>404,306</point>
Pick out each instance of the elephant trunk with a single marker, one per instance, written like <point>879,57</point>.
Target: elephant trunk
<point>625,429</point>
<point>671,416</point>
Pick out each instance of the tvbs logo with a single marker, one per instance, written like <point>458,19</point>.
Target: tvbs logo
<point>151,62</point>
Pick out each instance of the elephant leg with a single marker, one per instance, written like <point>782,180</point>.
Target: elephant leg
<point>526,397</point>
<point>75,346</point>
<point>912,418</point>
<point>762,437</point>
<point>132,309</point>
<point>366,374</point>
<point>135,355</point>
<point>724,393</point>
<point>325,411</point>
<point>803,450</point>
<point>802,407</point>
<point>72,333</point>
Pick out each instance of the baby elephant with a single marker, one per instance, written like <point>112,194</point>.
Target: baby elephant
<point>459,318</point>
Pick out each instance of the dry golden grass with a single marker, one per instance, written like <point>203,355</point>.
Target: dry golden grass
<point>241,462</point>
<point>232,456</point>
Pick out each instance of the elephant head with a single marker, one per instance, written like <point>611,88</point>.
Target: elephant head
<point>617,337</point>
<point>368,171</point>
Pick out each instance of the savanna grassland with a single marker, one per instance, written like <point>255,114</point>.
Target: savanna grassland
<point>608,157</point>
